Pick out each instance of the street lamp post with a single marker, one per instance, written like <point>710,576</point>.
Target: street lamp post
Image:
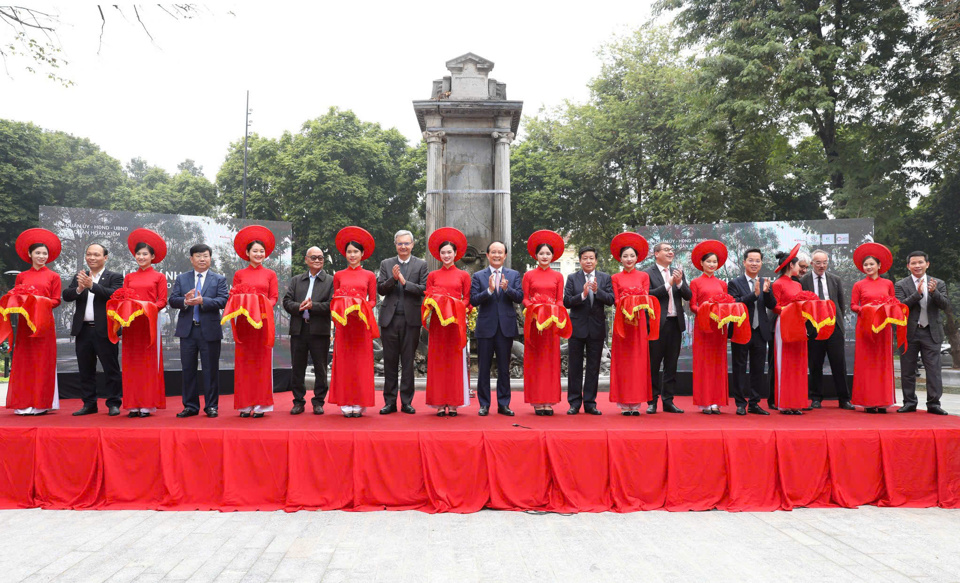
<point>246,134</point>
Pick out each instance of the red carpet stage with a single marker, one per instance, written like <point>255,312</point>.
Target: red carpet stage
<point>562,463</point>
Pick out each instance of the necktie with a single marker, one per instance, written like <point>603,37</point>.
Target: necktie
<point>590,293</point>
<point>497,282</point>
<point>196,308</point>
<point>923,320</point>
<point>306,313</point>
<point>671,308</point>
<point>756,305</point>
<point>820,287</point>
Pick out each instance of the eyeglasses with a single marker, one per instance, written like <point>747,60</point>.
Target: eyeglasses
<point>315,257</point>
<point>820,263</point>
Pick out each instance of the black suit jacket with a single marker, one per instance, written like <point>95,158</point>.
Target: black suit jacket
<point>661,290</point>
<point>588,322</point>
<point>102,290</point>
<point>937,301</point>
<point>321,296</point>
<point>834,288</point>
<point>416,276</point>
<point>742,291</point>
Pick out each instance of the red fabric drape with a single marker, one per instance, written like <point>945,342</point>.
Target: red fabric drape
<point>543,316</point>
<point>628,314</point>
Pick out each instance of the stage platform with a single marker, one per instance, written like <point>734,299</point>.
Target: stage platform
<point>581,463</point>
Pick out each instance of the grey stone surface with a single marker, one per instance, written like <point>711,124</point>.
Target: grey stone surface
<point>866,544</point>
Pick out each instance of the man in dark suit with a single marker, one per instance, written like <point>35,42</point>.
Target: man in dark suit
<point>927,298</point>
<point>586,294</point>
<point>669,286</point>
<point>200,295</point>
<point>401,281</point>
<point>91,289</point>
<point>827,286</point>
<point>754,292</point>
<point>495,293</point>
<point>308,302</point>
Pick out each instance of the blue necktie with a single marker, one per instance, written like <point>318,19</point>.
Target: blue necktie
<point>196,308</point>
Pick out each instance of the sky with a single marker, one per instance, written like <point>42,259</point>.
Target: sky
<point>182,95</point>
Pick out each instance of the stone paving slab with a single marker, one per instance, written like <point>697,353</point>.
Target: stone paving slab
<point>867,544</point>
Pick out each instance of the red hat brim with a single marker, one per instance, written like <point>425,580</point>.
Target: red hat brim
<point>358,234</point>
<point>545,236</point>
<point>788,259</point>
<point>442,234</point>
<point>881,252</point>
<point>31,236</point>
<point>630,239</point>
<point>705,247</point>
<point>151,238</point>
<point>253,233</point>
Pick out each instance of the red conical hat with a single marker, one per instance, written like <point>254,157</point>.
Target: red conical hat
<point>881,252</point>
<point>788,259</point>
<point>31,236</point>
<point>705,247</point>
<point>358,234</point>
<point>250,234</point>
<point>442,234</point>
<point>545,236</point>
<point>151,238</point>
<point>630,239</point>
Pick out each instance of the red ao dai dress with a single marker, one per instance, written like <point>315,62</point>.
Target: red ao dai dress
<point>541,350</point>
<point>630,380</point>
<point>33,373</point>
<point>144,392</point>
<point>873,358</point>
<point>790,358</point>
<point>448,378</point>
<point>709,348</point>
<point>351,374</point>
<point>253,359</point>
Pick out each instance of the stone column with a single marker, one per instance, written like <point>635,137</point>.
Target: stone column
<point>501,185</point>
<point>435,203</point>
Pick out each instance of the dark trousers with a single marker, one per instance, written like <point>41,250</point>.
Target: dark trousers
<point>582,390</point>
<point>400,343</point>
<point>318,348</point>
<point>923,346</point>
<point>486,348</point>
<point>92,347</point>
<point>831,348</point>
<point>748,389</point>
<point>209,351</point>
<point>665,351</point>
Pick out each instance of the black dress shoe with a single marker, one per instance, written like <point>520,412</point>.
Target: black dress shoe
<point>133,414</point>
<point>815,405</point>
<point>671,408</point>
<point>441,413</point>
<point>408,409</point>
<point>849,407</point>
<point>539,412</point>
<point>501,410</point>
<point>85,410</point>
<point>318,409</point>
<point>882,410</point>
<point>144,413</point>
<point>452,413</point>
<point>297,409</point>
<point>907,409</point>
<point>548,412</point>
<point>626,413</point>
<point>936,410</point>
<point>741,410</point>
<point>39,413</point>
<point>573,410</point>
<point>869,410</point>
<point>756,410</point>
<point>484,411</point>
<point>211,411</point>
<point>595,411</point>
<point>258,415</point>
<point>388,409</point>
<point>652,408</point>
<point>634,412</point>
<point>113,411</point>
<point>187,413</point>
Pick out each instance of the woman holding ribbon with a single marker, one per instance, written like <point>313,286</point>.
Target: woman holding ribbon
<point>873,300</point>
<point>545,322</point>
<point>354,297</point>
<point>36,292</point>
<point>253,295</point>
<point>135,308</point>
<point>710,389</point>
<point>444,314</point>
<point>790,356</point>
<point>636,312</point>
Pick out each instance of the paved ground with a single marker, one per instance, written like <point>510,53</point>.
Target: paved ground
<point>868,544</point>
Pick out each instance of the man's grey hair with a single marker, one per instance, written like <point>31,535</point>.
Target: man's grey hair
<point>404,233</point>
<point>803,257</point>
<point>820,251</point>
<point>659,246</point>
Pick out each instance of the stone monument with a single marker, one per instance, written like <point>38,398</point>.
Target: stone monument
<point>468,125</point>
